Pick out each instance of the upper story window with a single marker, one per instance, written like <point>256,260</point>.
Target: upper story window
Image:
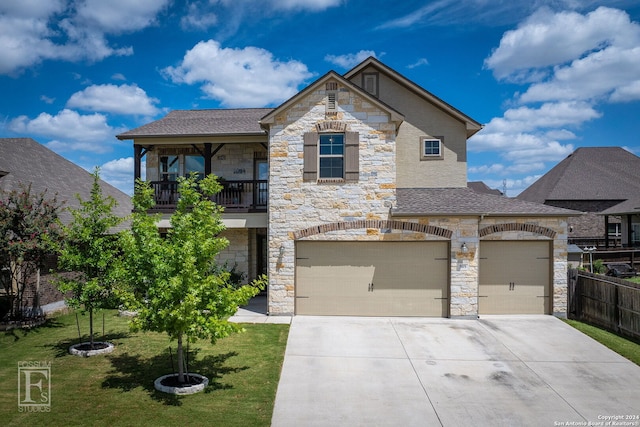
<point>431,148</point>
<point>331,156</point>
<point>194,164</point>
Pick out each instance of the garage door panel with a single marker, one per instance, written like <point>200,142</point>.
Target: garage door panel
<point>372,278</point>
<point>514,277</point>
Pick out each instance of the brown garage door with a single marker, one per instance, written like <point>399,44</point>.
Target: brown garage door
<point>515,277</point>
<point>372,278</point>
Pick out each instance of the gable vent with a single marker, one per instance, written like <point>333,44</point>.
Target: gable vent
<point>331,101</point>
<point>331,86</point>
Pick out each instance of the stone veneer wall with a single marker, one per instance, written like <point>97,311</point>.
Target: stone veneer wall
<point>300,205</point>
<point>237,252</point>
<point>295,205</point>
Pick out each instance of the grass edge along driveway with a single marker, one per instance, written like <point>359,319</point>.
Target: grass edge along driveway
<point>117,389</point>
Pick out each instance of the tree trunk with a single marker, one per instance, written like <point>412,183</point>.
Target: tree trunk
<point>91,327</point>
<point>180,360</point>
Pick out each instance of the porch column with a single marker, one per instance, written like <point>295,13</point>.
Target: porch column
<point>137,159</point>
<point>606,231</point>
<point>207,158</point>
<point>629,231</point>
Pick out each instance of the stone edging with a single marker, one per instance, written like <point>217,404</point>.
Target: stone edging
<point>181,390</point>
<point>88,353</point>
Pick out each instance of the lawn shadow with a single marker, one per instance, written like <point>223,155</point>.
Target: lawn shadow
<point>61,348</point>
<point>21,332</point>
<point>130,371</point>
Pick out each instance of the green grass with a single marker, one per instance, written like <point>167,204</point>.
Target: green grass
<point>621,345</point>
<point>117,389</point>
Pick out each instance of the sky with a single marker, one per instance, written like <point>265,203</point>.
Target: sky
<point>544,77</point>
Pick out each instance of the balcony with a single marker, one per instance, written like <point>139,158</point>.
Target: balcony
<point>236,196</point>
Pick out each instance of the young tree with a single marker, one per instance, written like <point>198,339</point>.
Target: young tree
<point>28,228</point>
<point>174,284</point>
<point>91,251</point>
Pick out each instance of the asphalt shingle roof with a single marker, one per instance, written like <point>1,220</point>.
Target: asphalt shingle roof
<point>465,201</point>
<point>28,161</point>
<point>241,121</point>
<point>589,173</point>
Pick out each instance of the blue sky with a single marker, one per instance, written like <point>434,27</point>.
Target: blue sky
<point>544,76</point>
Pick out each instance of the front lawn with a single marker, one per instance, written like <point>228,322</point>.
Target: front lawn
<point>621,345</point>
<point>117,389</point>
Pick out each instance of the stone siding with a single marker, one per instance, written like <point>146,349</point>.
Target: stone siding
<point>296,205</point>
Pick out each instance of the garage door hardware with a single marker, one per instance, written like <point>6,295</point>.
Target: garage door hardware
<point>512,286</point>
<point>370,287</point>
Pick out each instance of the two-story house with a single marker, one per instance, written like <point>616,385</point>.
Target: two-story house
<point>352,196</point>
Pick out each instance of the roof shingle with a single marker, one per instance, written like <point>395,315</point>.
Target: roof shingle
<point>27,161</point>
<point>241,121</point>
<point>589,173</point>
<point>465,201</point>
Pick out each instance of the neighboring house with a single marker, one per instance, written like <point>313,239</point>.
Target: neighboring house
<point>352,196</point>
<point>629,214</point>
<point>24,161</point>
<point>481,187</point>
<point>597,181</point>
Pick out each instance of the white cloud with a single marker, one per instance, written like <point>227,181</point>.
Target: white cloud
<point>74,146</point>
<point>119,173</point>
<point>312,5</point>
<point>547,39</point>
<point>351,59</point>
<point>418,63</point>
<point>198,17</point>
<point>248,77</point>
<point>569,63</point>
<point>597,76</point>
<point>118,16</point>
<point>32,31</point>
<point>68,131</point>
<point>549,115</point>
<point>123,99</point>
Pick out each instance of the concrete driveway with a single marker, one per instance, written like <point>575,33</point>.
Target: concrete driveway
<point>495,371</point>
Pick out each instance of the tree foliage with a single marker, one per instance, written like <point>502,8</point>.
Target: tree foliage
<point>174,283</point>
<point>91,252</point>
<point>28,227</point>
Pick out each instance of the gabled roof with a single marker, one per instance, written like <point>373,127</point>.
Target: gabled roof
<point>628,207</point>
<point>481,187</point>
<point>28,161</point>
<point>589,173</point>
<point>465,201</point>
<point>216,122</point>
<point>472,125</point>
<point>270,117</point>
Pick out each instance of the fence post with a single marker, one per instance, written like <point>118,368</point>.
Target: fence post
<point>616,312</point>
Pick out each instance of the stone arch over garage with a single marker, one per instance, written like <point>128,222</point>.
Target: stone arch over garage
<point>382,224</point>
<point>515,226</point>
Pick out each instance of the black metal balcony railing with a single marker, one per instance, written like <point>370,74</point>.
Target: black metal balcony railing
<point>239,196</point>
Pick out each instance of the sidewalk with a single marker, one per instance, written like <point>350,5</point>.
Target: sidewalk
<point>256,312</point>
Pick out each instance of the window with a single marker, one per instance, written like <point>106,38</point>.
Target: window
<point>431,148</point>
<point>336,154</point>
<point>194,164</point>
<point>331,155</point>
<point>169,168</point>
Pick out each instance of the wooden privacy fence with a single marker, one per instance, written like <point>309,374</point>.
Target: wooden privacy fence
<point>608,302</point>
